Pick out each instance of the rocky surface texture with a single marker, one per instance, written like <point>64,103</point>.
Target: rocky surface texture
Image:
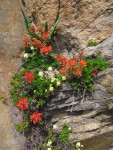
<point>12,30</point>
<point>89,117</point>
<point>83,20</point>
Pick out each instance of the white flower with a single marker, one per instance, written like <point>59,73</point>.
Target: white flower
<point>49,148</point>
<point>34,91</point>
<point>69,129</point>
<point>49,143</point>
<point>51,88</point>
<point>26,55</point>
<point>78,144</point>
<point>50,69</point>
<point>32,48</point>
<point>58,83</point>
<point>54,126</point>
<point>63,78</point>
<point>46,90</point>
<point>52,79</point>
<point>40,74</point>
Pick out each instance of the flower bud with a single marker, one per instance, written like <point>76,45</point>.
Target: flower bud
<point>52,79</point>
<point>63,78</point>
<point>32,48</point>
<point>58,83</point>
<point>51,88</point>
<point>26,55</point>
<point>40,74</point>
<point>50,69</point>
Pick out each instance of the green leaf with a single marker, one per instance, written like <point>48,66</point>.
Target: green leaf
<point>19,127</point>
<point>53,28</point>
<point>33,35</point>
<point>27,21</point>
<point>45,27</point>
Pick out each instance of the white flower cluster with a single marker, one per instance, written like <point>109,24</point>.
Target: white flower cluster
<point>69,128</point>
<point>26,55</point>
<point>50,74</point>
<point>49,145</point>
<point>79,146</point>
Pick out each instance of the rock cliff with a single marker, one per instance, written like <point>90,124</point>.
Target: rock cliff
<point>12,30</point>
<point>82,21</point>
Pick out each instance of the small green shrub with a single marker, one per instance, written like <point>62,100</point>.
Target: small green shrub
<point>89,73</point>
<point>91,43</point>
<point>64,134</point>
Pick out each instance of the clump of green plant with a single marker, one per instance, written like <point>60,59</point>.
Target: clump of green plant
<point>64,134</point>
<point>56,140</point>
<point>91,43</point>
<point>89,72</point>
<point>2,98</point>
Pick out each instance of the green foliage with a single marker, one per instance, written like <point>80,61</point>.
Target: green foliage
<point>53,28</point>
<point>41,62</point>
<point>2,98</point>
<point>55,140</point>
<point>27,21</point>
<point>89,72</point>
<point>34,35</point>
<point>23,126</point>
<point>17,90</point>
<point>91,43</point>
<point>45,27</point>
<point>64,134</point>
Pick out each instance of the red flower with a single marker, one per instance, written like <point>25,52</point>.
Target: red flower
<point>75,57</point>
<point>63,60</point>
<point>45,35</point>
<point>36,42</point>
<point>36,117</point>
<point>63,70</point>
<point>40,29</point>
<point>72,63</point>
<point>45,49</point>
<point>32,28</point>
<point>82,52</point>
<point>82,63</point>
<point>79,72</point>
<point>22,104</point>
<point>49,48</point>
<point>26,40</point>
<point>29,76</point>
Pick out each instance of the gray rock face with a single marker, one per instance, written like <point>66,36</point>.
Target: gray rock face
<point>104,49</point>
<point>12,30</point>
<point>101,98</point>
<point>101,142</point>
<point>90,116</point>
<point>85,125</point>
